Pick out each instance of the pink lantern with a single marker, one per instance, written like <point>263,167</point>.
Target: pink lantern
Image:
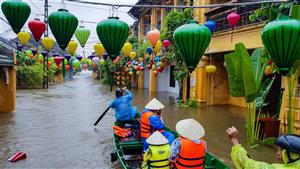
<point>166,43</point>
<point>233,19</point>
<point>153,36</point>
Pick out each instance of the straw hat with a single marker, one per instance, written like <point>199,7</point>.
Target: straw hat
<point>190,129</point>
<point>154,104</point>
<point>157,139</point>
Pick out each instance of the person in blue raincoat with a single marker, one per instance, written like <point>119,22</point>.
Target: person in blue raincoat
<point>151,121</point>
<point>124,111</point>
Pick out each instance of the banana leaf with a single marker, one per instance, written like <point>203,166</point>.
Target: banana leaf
<point>236,86</point>
<point>295,11</point>
<point>263,92</point>
<point>249,82</point>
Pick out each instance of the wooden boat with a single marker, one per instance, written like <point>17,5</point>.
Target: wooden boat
<point>129,151</point>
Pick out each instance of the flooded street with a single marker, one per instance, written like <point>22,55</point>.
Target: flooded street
<point>55,126</point>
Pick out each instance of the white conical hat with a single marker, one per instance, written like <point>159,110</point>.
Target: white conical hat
<point>157,139</point>
<point>154,104</point>
<point>190,129</point>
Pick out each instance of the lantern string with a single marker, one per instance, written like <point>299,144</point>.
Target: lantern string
<point>182,6</point>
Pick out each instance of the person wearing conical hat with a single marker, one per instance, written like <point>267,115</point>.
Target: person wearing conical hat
<point>151,121</point>
<point>189,149</point>
<point>157,155</point>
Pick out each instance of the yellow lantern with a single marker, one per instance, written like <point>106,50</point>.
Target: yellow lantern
<point>72,46</point>
<point>211,69</point>
<point>268,70</point>
<point>141,59</point>
<point>127,49</point>
<point>130,73</point>
<point>153,68</point>
<point>157,47</point>
<point>99,49</point>
<point>23,37</point>
<point>138,72</point>
<point>47,43</point>
<point>132,55</point>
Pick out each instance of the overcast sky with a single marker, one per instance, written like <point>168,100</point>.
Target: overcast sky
<point>84,12</point>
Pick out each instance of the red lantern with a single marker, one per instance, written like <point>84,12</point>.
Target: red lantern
<point>155,73</point>
<point>67,67</point>
<point>137,67</point>
<point>58,60</point>
<point>85,66</point>
<point>153,36</point>
<point>233,19</point>
<point>142,68</point>
<point>37,28</point>
<point>49,63</point>
<point>166,43</point>
<point>159,69</point>
<point>149,66</point>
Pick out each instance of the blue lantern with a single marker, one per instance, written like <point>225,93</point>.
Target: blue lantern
<point>211,25</point>
<point>157,59</point>
<point>149,50</point>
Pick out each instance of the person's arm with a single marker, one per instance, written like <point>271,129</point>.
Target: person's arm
<point>175,148</point>
<point>239,155</point>
<point>146,157</point>
<point>156,122</point>
<point>128,95</point>
<point>112,104</point>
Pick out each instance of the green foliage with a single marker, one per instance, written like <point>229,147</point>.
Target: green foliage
<point>271,11</point>
<point>107,71</point>
<point>173,20</point>
<point>134,41</point>
<point>192,103</point>
<point>142,47</point>
<point>30,76</point>
<point>180,73</point>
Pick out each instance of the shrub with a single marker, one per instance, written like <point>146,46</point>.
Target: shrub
<point>29,76</point>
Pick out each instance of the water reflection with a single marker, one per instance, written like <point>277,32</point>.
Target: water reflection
<point>55,126</point>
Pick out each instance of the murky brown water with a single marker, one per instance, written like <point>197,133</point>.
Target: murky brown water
<point>55,126</point>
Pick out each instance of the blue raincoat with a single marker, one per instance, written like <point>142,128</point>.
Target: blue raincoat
<point>123,108</point>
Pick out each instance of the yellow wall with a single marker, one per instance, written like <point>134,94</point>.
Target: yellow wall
<point>8,92</point>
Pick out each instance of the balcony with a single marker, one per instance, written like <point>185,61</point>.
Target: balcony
<point>219,15</point>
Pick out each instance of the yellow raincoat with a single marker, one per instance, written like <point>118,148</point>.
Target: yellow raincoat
<point>241,160</point>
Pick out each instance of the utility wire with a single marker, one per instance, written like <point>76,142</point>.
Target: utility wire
<point>181,6</point>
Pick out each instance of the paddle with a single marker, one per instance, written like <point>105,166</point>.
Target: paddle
<point>102,115</point>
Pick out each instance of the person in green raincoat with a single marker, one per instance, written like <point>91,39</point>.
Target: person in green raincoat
<point>289,153</point>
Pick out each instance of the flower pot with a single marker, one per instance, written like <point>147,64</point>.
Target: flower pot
<point>269,127</point>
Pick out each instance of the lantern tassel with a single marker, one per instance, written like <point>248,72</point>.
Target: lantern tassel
<point>231,33</point>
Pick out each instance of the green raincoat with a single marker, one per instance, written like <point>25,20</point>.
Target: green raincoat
<point>241,160</point>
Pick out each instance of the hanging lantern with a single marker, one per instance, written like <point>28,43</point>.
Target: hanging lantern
<point>82,34</point>
<point>72,46</point>
<point>211,25</point>
<point>113,33</point>
<point>96,60</point>
<point>23,37</point>
<point>153,36</point>
<point>157,47</point>
<point>68,57</point>
<point>68,67</point>
<point>37,28</point>
<point>16,13</point>
<point>233,19</point>
<point>132,55</point>
<point>99,49</point>
<point>192,40</point>
<point>127,48</point>
<point>155,73</point>
<point>58,60</point>
<point>149,50</point>
<point>166,43</point>
<point>280,38</point>
<point>102,61</point>
<point>211,69</point>
<point>47,43</point>
<point>117,59</point>
<point>63,25</point>
<point>79,57</point>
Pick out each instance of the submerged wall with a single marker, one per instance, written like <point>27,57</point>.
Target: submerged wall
<point>7,90</point>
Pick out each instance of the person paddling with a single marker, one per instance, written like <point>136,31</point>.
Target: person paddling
<point>124,112</point>
<point>157,155</point>
<point>289,153</point>
<point>188,150</point>
<point>151,121</point>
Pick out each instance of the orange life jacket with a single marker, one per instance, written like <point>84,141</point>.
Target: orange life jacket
<point>146,128</point>
<point>191,155</point>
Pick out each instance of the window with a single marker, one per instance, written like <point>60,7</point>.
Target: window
<point>172,76</point>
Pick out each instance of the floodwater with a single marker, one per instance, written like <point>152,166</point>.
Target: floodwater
<point>55,126</point>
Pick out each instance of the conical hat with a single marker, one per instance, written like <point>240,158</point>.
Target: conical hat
<point>190,129</point>
<point>154,104</point>
<point>157,139</point>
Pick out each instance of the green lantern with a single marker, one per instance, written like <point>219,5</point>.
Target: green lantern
<point>192,40</point>
<point>82,34</point>
<point>281,38</point>
<point>112,33</point>
<point>63,25</point>
<point>16,13</point>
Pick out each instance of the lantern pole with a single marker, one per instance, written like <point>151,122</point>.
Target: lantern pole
<point>45,62</point>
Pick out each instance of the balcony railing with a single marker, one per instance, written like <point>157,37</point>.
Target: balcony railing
<point>220,17</point>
